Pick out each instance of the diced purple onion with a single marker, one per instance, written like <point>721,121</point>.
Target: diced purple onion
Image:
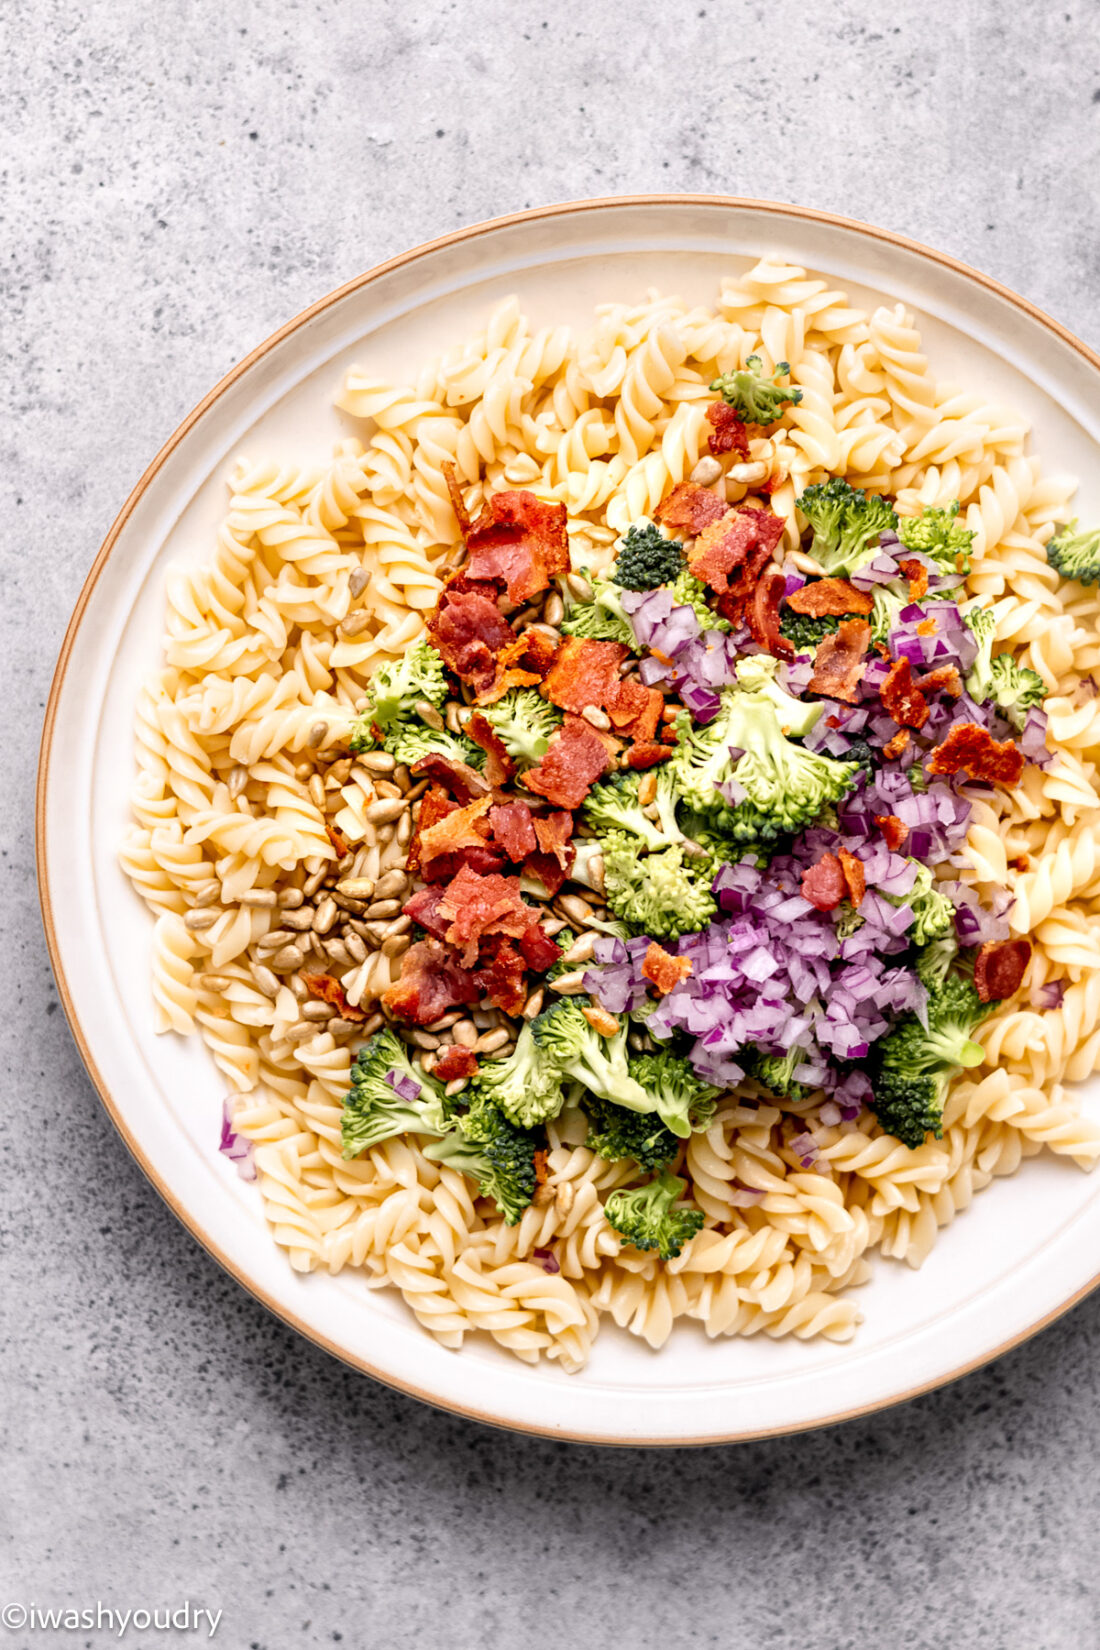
<point>235,1146</point>
<point>547,1260</point>
<point>406,1087</point>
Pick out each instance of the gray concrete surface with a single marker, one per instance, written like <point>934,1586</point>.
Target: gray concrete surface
<point>177,180</point>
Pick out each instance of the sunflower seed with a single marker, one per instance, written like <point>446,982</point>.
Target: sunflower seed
<point>358,580</point>
<point>455,1086</point>
<point>317,1011</point>
<point>198,921</point>
<point>569,984</point>
<point>356,887</point>
<point>387,809</point>
<point>289,899</point>
<point>579,587</point>
<point>324,916</point>
<point>465,1034</point>
<point>317,791</point>
<point>396,946</point>
<point>423,1039</point>
<point>355,622</point>
<point>596,717</point>
<point>390,885</point>
<point>575,908</point>
<point>533,1005</point>
<point>287,959</point>
<point>377,762</point>
<point>318,733</point>
<point>265,979</point>
<point>581,950</point>
<point>259,897</point>
<point>491,1041</point>
<point>429,715</point>
<point>706,472</point>
<point>383,909</point>
<point>553,609</point>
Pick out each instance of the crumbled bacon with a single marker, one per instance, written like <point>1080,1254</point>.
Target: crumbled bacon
<point>476,906</point>
<point>897,746</point>
<point>513,828</point>
<point>999,969</point>
<point>575,760</point>
<point>634,710</point>
<point>763,614</point>
<point>854,875</point>
<point>520,541</point>
<point>722,547</point>
<point>647,753</point>
<point>522,663</point>
<point>663,969</point>
<point>839,662</point>
<point>824,885</point>
<point>463,782</point>
<point>894,831</point>
<point>331,991</point>
<point>423,908</point>
<point>944,679</point>
<point>499,767</point>
<point>449,837</point>
<point>556,853</point>
<point>431,982</point>
<point>434,806</point>
<point>728,433</point>
<point>455,1062</point>
<point>585,673</point>
<point>338,840</point>
<point>971,749</point>
<point>458,503</point>
<point>540,952</point>
<point>502,975</point>
<point>689,508</point>
<point>902,698</point>
<point>469,631</point>
<point>917,574</point>
<point>824,598</point>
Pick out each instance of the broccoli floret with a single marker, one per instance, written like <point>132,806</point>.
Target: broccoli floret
<point>804,630</point>
<point>914,1065</point>
<point>525,724</point>
<point>918,779</point>
<point>645,1216</point>
<point>661,894</point>
<point>613,806</point>
<point>785,785</point>
<point>688,591</point>
<point>887,601</point>
<point>603,619</point>
<point>683,1100</point>
<point>576,1050</point>
<point>935,960</point>
<point>939,535</point>
<point>1076,555</point>
<point>373,1109</point>
<point>774,1072</point>
<point>395,689</point>
<point>983,622</point>
<point>614,1133</point>
<point>500,1156</point>
<point>646,558</point>
<point>731,835</point>
<point>933,912</point>
<point>1014,688</point>
<point>409,741</point>
<point>758,399</point>
<point>846,524</point>
<point>846,920</point>
<point>526,1087</point>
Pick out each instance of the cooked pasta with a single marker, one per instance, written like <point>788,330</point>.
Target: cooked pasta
<point>268,852</point>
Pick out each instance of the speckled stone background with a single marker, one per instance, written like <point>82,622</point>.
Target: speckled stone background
<point>178,179</point>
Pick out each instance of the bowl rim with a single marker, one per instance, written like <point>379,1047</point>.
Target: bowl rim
<point>190,1221</point>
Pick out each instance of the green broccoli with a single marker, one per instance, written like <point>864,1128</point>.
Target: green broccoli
<point>730,836</point>
<point>913,1065</point>
<point>804,631</point>
<point>1076,555</point>
<point>373,1109</point>
<point>757,398</point>
<point>918,779</point>
<point>396,688</point>
<point>1014,688</point>
<point>939,535</point>
<point>688,591</point>
<point>786,786</point>
<point>603,619</point>
<point>613,806</point>
<point>983,622</point>
<point>846,522</point>
<point>614,1133</point>
<point>576,1050</point>
<point>847,920</point>
<point>887,602</point>
<point>409,741</point>
<point>936,959</point>
<point>500,1156</point>
<point>662,894</point>
<point>526,1087</point>
<point>933,912</point>
<point>774,1072</point>
<point>646,558</point>
<point>645,1216</point>
<point>525,724</point>
<point>683,1100</point>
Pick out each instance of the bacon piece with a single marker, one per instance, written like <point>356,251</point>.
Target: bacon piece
<point>689,508</point>
<point>462,828</point>
<point>728,434</point>
<point>839,662</point>
<point>502,975</point>
<point>468,631</point>
<point>763,615</point>
<point>854,875</point>
<point>647,754</point>
<point>331,991</point>
<point>897,746</point>
<point>499,767</point>
<point>458,503</point>
<point>520,541</point>
<point>575,760</point>
<point>455,1062</point>
<point>522,663</point>
<point>945,678</point>
<point>476,906</point>
<point>431,982</point>
<point>829,598</point>
<point>423,907</point>
<point>539,951</point>
<point>971,749</point>
<point>542,1169</point>
<point>585,673</point>
<point>894,831</point>
<point>917,574</point>
<point>513,829</point>
<point>723,546</point>
<point>824,885</point>
<point>663,969</point>
<point>901,696</point>
<point>999,969</point>
<point>556,853</point>
<point>635,710</point>
<point>464,783</point>
<point>338,840</point>
<point>435,805</point>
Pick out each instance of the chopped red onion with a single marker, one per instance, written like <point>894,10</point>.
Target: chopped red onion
<point>235,1146</point>
<point>548,1261</point>
<point>406,1087</point>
